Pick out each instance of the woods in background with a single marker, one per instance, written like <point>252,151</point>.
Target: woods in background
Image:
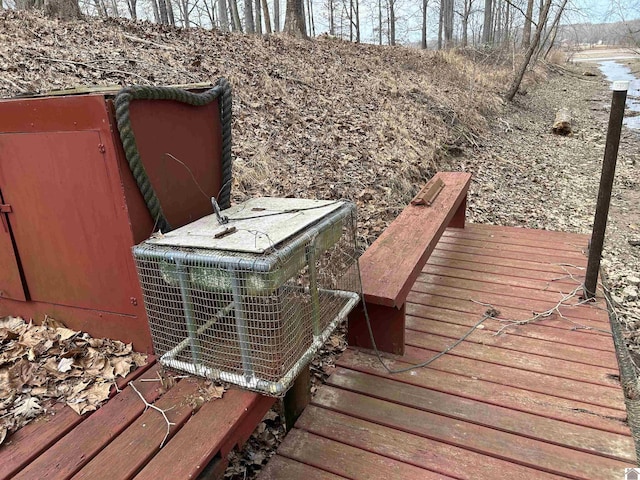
<point>425,23</point>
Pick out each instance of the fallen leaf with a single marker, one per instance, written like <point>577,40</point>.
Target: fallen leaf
<point>65,364</point>
<point>28,408</point>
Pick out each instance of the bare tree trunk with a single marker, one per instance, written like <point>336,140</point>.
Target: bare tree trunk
<point>465,22</point>
<point>62,9</point>
<point>357,4</point>
<point>392,22</point>
<point>222,15</point>
<point>447,22</point>
<point>526,30</point>
<point>379,22</point>
<point>423,40</point>
<point>517,80</point>
<point>487,25</point>
<point>258,24</point>
<point>267,17</point>
<point>184,7</point>
<point>440,25</point>
<point>553,31</point>
<point>172,20</point>
<point>154,7</point>
<point>162,8</point>
<point>332,24</point>
<point>276,15</point>
<point>236,24</point>
<point>102,8</point>
<point>351,20</point>
<point>249,26</point>
<point>294,23</point>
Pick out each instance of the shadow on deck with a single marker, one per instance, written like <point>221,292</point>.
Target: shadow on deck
<point>540,400</point>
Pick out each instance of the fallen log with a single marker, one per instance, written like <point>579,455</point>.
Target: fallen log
<point>562,123</point>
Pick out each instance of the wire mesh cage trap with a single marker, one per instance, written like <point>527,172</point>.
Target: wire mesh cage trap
<point>250,301</point>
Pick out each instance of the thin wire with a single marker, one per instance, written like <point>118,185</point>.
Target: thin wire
<point>283,212</point>
<point>190,173</point>
<point>490,313</point>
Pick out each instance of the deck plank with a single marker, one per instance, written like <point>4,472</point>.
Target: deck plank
<point>530,362</point>
<point>549,329</point>
<point>424,294</point>
<point>133,448</point>
<point>201,437</point>
<point>590,440</point>
<point>483,388</point>
<point>423,452</point>
<point>281,468</point>
<point>572,353</point>
<point>23,446</point>
<point>465,305</point>
<point>345,460</point>
<point>574,244</point>
<point>89,437</point>
<point>507,446</point>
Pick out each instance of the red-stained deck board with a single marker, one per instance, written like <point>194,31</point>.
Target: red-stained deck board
<point>495,273</point>
<point>423,452</point>
<point>341,459</point>
<point>507,446</point>
<point>612,445</point>
<point>543,293</point>
<point>414,233</point>
<point>550,329</point>
<point>129,452</point>
<point>573,353</point>
<point>30,441</point>
<point>499,249</point>
<point>566,242</point>
<point>550,282</point>
<point>89,437</point>
<point>281,468</point>
<point>551,256</point>
<point>474,385</point>
<point>423,294</point>
<point>203,436</point>
<point>524,361</point>
<point>506,312</point>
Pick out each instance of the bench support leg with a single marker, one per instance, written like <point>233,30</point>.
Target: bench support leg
<point>459,217</point>
<point>297,398</point>
<point>387,324</point>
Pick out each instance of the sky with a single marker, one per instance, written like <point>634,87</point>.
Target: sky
<point>603,11</point>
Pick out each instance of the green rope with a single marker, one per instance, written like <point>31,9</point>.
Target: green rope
<point>123,99</point>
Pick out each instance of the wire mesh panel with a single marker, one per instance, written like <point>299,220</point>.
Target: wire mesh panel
<point>251,312</point>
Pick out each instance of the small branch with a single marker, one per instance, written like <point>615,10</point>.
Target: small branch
<point>14,85</point>
<point>147,42</point>
<point>87,65</point>
<point>147,405</point>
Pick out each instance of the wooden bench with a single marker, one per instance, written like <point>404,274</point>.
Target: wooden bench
<point>121,439</point>
<point>392,263</point>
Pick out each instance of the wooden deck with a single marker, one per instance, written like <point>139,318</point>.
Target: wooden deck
<point>121,439</point>
<point>540,401</point>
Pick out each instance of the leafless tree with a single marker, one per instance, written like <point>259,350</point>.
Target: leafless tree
<point>423,39</point>
<point>517,79</point>
<point>487,25</point>
<point>526,29</point>
<point>249,26</point>
<point>294,23</point>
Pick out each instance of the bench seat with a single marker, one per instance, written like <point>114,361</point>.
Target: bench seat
<point>392,263</point>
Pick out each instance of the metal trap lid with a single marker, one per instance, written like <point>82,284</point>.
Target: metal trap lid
<point>260,224</point>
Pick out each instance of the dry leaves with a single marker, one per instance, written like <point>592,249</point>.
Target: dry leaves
<point>44,364</point>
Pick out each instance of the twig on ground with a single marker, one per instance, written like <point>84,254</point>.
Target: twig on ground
<point>148,405</point>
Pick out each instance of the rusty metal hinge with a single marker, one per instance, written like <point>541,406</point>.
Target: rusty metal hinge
<point>429,193</point>
<point>5,208</point>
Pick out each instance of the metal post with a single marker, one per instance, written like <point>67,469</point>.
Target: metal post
<point>606,184</point>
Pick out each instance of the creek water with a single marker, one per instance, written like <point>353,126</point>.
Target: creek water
<point>612,71</point>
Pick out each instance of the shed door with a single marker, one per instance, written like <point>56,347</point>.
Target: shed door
<point>10,280</point>
<point>69,225</point>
